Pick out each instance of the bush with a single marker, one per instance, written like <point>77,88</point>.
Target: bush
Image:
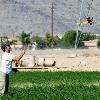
<point>51,41</point>
<point>69,38</point>
<point>87,36</point>
<point>39,41</point>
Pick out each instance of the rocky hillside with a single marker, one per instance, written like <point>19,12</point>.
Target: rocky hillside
<point>35,16</point>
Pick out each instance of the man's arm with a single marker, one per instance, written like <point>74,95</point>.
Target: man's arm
<point>16,59</point>
<point>19,56</point>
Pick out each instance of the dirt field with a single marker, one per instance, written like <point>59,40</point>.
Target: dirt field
<point>66,60</point>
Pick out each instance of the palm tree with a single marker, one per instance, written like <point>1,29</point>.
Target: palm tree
<point>24,38</point>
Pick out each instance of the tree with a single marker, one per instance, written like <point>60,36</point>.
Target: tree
<point>13,42</point>
<point>39,41</point>
<point>69,38</point>
<point>57,41</point>
<point>48,40</point>
<point>86,36</point>
<point>25,39</point>
<point>51,41</point>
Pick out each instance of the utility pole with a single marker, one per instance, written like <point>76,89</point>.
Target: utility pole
<point>52,11</point>
<point>52,28</point>
<point>78,25</point>
<point>85,5</point>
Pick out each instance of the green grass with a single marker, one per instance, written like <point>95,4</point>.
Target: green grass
<point>54,86</point>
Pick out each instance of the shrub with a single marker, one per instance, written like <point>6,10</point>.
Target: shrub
<point>68,38</point>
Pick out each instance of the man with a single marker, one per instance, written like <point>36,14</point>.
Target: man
<point>6,66</point>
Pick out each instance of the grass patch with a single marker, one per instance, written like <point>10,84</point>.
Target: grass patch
<point>54,86</point>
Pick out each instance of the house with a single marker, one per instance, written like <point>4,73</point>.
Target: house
<point>91,43</point>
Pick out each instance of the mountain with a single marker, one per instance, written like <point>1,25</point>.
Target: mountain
<point>35,16</point>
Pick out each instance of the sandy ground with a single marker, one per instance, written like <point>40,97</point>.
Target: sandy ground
<point>66,60</point>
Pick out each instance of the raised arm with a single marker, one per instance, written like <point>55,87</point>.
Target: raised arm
<point>18,56</point>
